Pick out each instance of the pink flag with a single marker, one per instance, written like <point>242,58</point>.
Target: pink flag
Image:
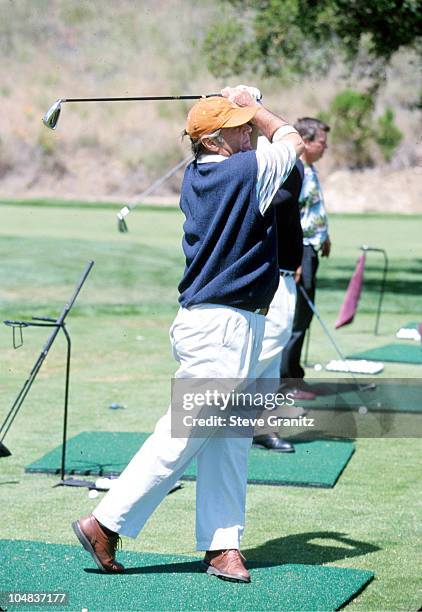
<point>351,299</point>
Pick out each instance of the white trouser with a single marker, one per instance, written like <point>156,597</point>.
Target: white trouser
<point>278,328</point>
<point>209,341</point>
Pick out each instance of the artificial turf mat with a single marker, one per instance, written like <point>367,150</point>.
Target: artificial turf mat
<point>318,463</point>
<point>388,396</point>
<point>411,325</point>
<point>164,582</point>
<point>398,353</point>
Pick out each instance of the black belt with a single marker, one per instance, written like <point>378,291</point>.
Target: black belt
<point>287,273</point>
<point>261,311</point>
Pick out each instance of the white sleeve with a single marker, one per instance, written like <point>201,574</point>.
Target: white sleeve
<point>275,162</point>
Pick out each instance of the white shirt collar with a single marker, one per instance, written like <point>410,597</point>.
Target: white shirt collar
<point>207,158</point>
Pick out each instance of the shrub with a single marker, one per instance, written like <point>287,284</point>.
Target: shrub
<point>388,136</point>
<point>351,120</point>
<point>355,132</point>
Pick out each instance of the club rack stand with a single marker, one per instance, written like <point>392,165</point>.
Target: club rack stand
<point>367,249</point>
<point>57,325</point>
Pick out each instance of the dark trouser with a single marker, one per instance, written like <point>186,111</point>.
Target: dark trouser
<point>290,360</point>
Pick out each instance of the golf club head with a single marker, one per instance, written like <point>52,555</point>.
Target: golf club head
<point>51,117</point>
<point>122,226</point>
<point>369,387</point>
<point>121,223</point>
<point>4,452</point>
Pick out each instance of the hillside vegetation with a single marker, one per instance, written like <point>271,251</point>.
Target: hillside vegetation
<point>63,48</point>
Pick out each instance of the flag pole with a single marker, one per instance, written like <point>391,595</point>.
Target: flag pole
<point>365,248</point>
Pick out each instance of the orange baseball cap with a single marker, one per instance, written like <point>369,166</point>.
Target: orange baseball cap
<point>211,114</point>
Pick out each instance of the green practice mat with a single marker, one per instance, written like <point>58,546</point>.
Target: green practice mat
<point>386,397</point>
<point>161,582</point>
<point>411,325</point>
<point>399,353</point>
<point>318,463</point>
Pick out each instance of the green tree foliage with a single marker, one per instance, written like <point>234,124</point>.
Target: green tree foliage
<point>388,136</point>
<point>350,118</point>
<point>230,36</point>
<point>354,129</point>
<point>278,37</point>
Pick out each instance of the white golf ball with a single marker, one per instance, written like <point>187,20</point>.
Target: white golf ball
<point>317,367</point>
<point>92,494</point>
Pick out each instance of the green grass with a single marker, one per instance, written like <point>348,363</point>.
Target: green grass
<point>119,326</point>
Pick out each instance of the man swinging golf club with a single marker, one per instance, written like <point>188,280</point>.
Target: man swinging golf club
<point>230,278</point>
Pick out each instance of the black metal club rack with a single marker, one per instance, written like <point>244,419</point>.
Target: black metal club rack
<point>56,325</point>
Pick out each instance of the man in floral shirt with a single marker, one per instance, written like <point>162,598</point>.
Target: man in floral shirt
<point>315,240</point>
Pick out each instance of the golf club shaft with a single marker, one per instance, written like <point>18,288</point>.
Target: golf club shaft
<point>11,415</point>
<point>129,98</point>
<point>324,327</point>
<point>51,117</point>
<point>162,179</point>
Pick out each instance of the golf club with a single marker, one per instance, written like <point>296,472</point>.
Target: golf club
<point>312,306</point>
<point>121,223</point>
<point>4,451</point>
<point>51,117</point>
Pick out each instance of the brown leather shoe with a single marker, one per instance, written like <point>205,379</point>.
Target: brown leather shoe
<point>227,565</point>
<point>101,545</point>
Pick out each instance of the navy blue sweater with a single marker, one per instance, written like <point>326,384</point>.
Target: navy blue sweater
<point>230,247</point>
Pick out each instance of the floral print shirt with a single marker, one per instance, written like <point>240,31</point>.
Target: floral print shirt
<point>313,216</point>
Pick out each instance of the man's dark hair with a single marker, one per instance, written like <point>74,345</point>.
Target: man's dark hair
<point>308,127</point>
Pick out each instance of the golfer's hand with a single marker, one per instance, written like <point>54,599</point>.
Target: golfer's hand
<point>298,274</point>
<point>242,95</point>
<point>326,248</point>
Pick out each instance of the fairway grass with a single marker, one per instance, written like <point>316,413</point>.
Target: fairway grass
<point>121,354</point>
